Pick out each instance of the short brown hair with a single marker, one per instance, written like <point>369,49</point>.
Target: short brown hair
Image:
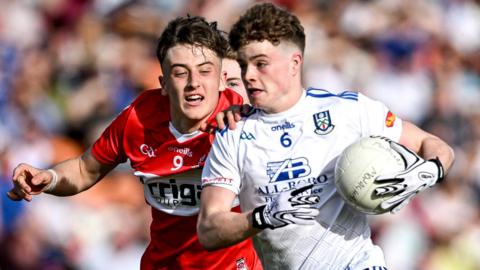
<point>267,22</point>
<point>193,31</point>
<point>230,53</point>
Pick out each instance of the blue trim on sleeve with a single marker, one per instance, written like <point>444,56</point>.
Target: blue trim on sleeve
<point>321,93</point>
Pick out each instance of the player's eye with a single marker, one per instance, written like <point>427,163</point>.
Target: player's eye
<point>233,84</point>
<point>205,71</point>
<point>180,72</point>
<point>261,64</point>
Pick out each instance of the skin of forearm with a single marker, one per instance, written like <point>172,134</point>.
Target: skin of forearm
<point>77,175</point>
<point>224,229</point>
<point>434,147</point>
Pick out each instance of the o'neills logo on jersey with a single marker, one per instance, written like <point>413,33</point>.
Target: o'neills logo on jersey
<point>323,123</point>
<point>181,150</point>
<point>286,125</point>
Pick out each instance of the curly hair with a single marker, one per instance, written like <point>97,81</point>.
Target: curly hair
<point>267,22</point>
<point>193,31</point>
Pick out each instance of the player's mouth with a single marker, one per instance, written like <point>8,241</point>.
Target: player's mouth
<point>194,99</point>
<point>253,92</point>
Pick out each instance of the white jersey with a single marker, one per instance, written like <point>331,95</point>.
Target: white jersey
<point>271,153</point>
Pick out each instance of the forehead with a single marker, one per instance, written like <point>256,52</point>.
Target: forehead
<point>187,54</point>
<point>230,65</point>
<point>259,48</point>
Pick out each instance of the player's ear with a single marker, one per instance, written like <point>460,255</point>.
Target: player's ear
<point>223,80</point>
<point>161,79</point>
<point>296,62</point>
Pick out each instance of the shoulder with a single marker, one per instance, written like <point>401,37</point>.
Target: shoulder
<point>151,102</point>
<point>149,96</point>
<point>229,97</point>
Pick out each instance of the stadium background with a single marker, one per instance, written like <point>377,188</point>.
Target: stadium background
<point>67,67</point>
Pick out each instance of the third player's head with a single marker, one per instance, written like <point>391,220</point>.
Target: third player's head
<point>231,76</point>
<point>270,42</point>
<point>190,50</point>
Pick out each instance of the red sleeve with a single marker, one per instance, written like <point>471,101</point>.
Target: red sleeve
<point>233,97</point>
<point>108,149</point>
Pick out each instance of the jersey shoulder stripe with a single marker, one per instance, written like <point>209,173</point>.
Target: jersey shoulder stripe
<point>321,93</point>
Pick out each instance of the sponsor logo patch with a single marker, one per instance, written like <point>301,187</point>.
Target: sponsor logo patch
<point>390,119</point>
<point>288,169</point>
<point>147,150</point>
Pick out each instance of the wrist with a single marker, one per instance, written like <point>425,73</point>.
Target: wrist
<point>52,183</point>
<point>258,218</point>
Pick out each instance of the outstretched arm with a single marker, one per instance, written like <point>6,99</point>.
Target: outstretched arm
<point>217,226</point>
<point>64,179</point>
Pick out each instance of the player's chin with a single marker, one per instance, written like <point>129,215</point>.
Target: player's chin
<point>196,114</point>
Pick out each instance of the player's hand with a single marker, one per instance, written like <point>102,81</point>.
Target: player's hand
<point>27,181</point>
<point>291,207</point>
<point>418,175</point>
<point>228,117</point>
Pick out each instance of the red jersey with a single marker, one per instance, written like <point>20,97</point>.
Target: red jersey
<point>169,165</point>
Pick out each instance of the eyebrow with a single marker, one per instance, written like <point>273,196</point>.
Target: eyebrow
<point>257,56</point>
<point>185,65</point>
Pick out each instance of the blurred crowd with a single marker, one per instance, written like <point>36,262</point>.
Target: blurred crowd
<point>68,67</point>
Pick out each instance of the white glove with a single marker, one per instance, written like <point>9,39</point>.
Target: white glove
<point>287,208</point>
<point>417,176</point>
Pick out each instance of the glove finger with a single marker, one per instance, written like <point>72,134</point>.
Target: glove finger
<point>304,200</point>
<point>408,155</point>
<point>396,200</point>
<point>390,189</point>
<point>388,177</point>
<point>305,221</point>
<point>397,208</point>
<point>306,216</point>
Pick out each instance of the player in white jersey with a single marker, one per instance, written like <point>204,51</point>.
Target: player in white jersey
<point>280,159</point>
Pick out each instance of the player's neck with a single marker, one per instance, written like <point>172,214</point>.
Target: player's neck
<point>286,102</point>
<point>186,126</point>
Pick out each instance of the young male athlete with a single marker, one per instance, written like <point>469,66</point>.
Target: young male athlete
<point>280,159</point>
<point>231,76</point>
<point>159,135</point>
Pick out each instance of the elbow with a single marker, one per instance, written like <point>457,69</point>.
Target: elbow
<point>206,239</point>
<point>208,245</point>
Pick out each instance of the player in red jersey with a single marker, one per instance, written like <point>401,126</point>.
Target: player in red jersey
<point>159,133</point>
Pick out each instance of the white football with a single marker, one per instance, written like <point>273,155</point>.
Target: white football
<point>356,170</point>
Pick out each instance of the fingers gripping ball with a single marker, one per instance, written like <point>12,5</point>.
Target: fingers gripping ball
<point>357,168</point>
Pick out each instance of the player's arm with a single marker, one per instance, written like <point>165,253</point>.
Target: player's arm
<point>427,145</point>
<point>217,226</point>
<point>64,179</point>
<point>427,160</point>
